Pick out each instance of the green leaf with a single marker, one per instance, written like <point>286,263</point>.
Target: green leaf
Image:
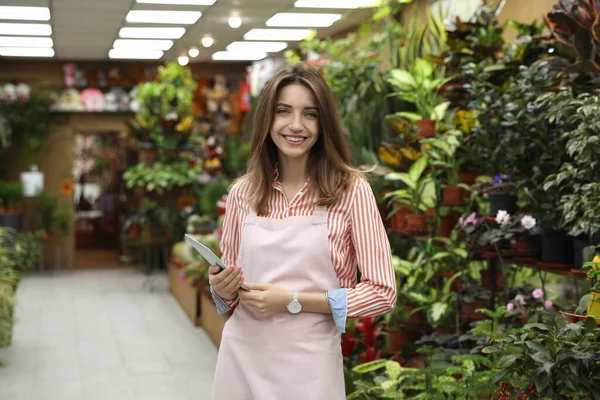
<point>402,79</point>
<point>491,349</point>
<point>422,69</point>
<point>393,369</point>
<point>499,375</point>
<point>440,111</point>
<point>437,311</point>
<point>370,366</point>
<point>417,168</point>
<point>509,360</point>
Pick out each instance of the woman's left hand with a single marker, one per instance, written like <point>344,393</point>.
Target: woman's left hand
<point>265,298</point>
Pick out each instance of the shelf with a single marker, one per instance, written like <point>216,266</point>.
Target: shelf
<point>94,112</point>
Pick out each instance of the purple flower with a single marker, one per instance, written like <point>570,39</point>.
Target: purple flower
<point>503,217</point>
<point>538,293</point>
<point>471,219</point>
<point>548,305</point>
<point>520,299</point>
<point>499,178</point>
<point>181,277</point>
<point>510,307</point>
<point>528,222</point>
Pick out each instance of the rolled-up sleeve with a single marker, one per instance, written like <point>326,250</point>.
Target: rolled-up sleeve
<point>375,294</point>
<point>233,223</point>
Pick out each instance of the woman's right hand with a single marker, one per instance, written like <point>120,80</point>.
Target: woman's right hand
<point>227,282</point>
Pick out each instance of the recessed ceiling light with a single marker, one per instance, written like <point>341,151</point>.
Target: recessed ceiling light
<point>235,21</point>
<point>194,52</point>
<point>307,20</point>
<point>25,41</point>
<point>267,47</point>
<point>239,56</point>
<point>26,52</point>
<point>180,2</point>
<point>163,17</point>
<point>277,34</point>
<point>155,44</point>
<point>25,13</point>
<point>344,4</point>
<point>25,29</point>
<point>152,33</point>
<point>135,54</point>
<point>207,41</point>
<point>183,60</point>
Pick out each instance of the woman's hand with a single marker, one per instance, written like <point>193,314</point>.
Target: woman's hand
<point>266,298</point>
<point>225,282</point>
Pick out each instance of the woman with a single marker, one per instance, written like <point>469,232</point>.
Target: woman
<point>296,226</point>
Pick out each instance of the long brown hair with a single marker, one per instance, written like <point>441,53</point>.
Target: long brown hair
<point>330,162</point>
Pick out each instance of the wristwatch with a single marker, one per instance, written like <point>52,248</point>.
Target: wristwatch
<point>294,306</point>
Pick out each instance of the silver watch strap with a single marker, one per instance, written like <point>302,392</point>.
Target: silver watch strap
<point>295,296</point>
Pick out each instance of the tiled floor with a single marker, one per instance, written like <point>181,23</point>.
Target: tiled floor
<point>100,335</point>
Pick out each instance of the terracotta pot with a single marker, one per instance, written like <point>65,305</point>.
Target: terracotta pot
<point>425,128</point>
<point>398,220</point>
<point>469,308</point>
<point>399,338</point>
<point>453,196</point>
<point>486,281</point>
<point>417,319</point>
<point>416,223</point>
<point>468,178</point>
<point>447,224</point>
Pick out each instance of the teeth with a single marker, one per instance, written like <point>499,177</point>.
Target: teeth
<point>292,139</point>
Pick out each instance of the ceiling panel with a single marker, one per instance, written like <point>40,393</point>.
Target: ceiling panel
<point>86,29</point>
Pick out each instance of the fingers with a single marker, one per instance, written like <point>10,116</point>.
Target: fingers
<point>258,286</point>
<point>225,278</point>
<point>236,282</point>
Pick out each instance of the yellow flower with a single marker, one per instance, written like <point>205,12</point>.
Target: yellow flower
<point>465,120</point>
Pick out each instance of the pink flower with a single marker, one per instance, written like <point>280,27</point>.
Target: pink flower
<point>528,222</point>
<point>510,307</point>
<point>538,293</point>
<point>548,305</point>
<point>500,332</point>
<point>181,277</point>
<point>471,219</point>
<point>520,299</point>
<point>503,217</point>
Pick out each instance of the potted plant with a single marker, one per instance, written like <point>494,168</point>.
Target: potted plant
<point>11,194</point>
<point>442,152</point>
<point>419,194</point>
<point>502,194</point>
<point>420,87</point>
<point>593,298</point>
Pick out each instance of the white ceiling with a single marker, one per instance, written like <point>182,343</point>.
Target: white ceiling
<point>86,29</point>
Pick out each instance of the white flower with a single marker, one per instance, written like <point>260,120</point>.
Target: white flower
<point>528,222</point>
<point>503,217</point>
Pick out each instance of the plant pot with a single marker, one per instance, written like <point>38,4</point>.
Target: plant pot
<point>578,246</point>
<point>416,320</point>
<point>447,224</point>
<point>12,220</point>
<point>399,338</point>
<point>486,280</point>
<point>593,309</point>
<point>506,202</point>
<point>468,178</point>
<point>416,223</point>
<point>425,128</point>
<point>398,220</point>
<point>557,248</point>
<point>469,309</point>
<point>453,196</point>
<point>527,247</point>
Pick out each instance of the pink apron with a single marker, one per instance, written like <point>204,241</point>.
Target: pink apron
<point>286,356</point>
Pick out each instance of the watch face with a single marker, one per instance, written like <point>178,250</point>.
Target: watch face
<point>294,307</point>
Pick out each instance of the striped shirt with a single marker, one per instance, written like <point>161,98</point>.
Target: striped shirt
<point>357,238</point>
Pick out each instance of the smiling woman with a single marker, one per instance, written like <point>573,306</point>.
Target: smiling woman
<point>296,227</point>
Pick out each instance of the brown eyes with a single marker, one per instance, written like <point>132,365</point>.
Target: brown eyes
<point>283,111</point>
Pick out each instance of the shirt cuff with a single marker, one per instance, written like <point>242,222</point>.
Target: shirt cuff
<point>338,302</point>
<point>222,307</point>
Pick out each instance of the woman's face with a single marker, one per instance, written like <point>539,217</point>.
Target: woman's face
<point>295,126</point>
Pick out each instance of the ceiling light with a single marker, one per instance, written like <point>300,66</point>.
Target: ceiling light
<point>135,54</point>
<point>239,56</point>
<point>183,60</point>
<point>155,44</point>
<point>180,2</point>
<point>25,29</point>
<point>163,17</point>
<point>152,33</point>
<point>277,34</point>
<point>20,41</point>
<point>345,4</point>
<point>26,52</point>
<point>303,20</point>
<point>25,13</point>
<point>207,41</point>
<point>194,52</point>
<point>235,21</point>
<point>267,47</point>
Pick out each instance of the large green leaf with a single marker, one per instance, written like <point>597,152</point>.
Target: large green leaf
<point>429,193</point>
<point>437,311</point>
<point>417,169</point>
<point>370,366</point>
<point>402,79</point>
<point>393,369</point>
<point>403,177</point>
<point>422,69</point>
<point>440,110</point>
